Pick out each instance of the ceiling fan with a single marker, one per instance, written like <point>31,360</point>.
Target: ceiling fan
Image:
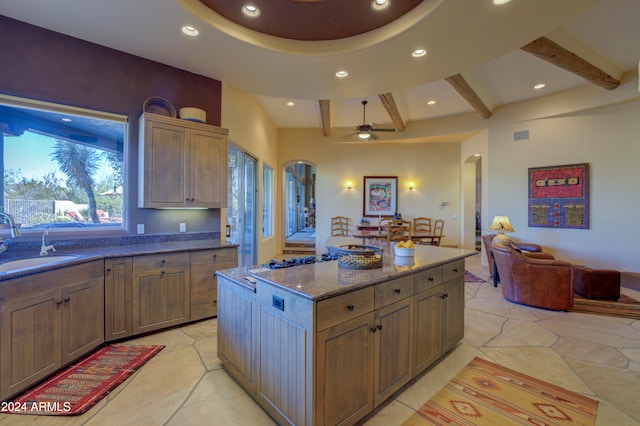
<point>365,130</point>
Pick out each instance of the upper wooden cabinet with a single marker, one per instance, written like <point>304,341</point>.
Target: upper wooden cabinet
<point>181,163</point>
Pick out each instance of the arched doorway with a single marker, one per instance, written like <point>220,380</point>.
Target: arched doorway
<point>300,207</point>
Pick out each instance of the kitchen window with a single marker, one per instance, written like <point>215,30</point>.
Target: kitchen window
<point>63,167</point>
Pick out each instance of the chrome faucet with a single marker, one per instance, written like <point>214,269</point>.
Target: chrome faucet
<point>14,231</point>
<point>44,250</point>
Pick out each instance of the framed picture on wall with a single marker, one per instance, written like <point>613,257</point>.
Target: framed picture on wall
<point>559,196</point>
<point>380,196</point>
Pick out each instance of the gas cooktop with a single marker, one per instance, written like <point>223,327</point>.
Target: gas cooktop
<point>297,261</point>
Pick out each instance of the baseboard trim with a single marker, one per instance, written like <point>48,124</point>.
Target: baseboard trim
<point>630,280</point>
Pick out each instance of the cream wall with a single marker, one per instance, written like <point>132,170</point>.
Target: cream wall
<point>433,167</point>
<point>609,140</point>
<point>251,130</point>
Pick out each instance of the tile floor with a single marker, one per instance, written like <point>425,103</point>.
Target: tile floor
<point>185,384</point>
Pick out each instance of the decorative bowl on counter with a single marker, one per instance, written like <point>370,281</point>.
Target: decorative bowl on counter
<point>404,251</point>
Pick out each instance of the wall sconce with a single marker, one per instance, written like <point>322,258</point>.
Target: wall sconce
<point>349,185</point>
<point>411,186</point>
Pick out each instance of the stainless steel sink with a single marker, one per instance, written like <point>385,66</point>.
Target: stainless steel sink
<point>33,262</point>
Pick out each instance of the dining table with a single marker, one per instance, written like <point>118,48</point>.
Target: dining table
<point>381,234</point>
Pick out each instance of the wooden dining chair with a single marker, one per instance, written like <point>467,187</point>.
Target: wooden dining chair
<point>438,227</point>
<point>339,226</point>
<point>421,225</point>
<point>399,230</point>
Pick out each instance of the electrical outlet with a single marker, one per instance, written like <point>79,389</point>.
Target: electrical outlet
<point>140,228</point>
<point>183,227</point>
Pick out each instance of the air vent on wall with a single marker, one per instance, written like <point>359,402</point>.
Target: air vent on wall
<point>521,135</point>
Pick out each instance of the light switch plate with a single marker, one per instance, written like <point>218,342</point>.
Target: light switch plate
<point>140,228</point>
<point>183,227</point>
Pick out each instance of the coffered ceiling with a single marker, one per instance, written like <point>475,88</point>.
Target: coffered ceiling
<point>480,56</point>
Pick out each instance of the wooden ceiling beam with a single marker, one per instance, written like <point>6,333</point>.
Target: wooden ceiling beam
<point>557,55</point>
<point>462,87</point>
<point>390,105</point>
<point>325,116</point>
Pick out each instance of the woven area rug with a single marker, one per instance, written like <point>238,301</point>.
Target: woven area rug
<point>471,278</point>
<point>484,393</point>
<point>80,386</point>
<point>625,307</point>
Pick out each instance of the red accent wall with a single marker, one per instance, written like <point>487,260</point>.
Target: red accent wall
<point>40,64</point>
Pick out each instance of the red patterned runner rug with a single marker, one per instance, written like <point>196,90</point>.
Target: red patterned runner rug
<point>80,386</point>
<point>471,278</point>
<point>484,393</point>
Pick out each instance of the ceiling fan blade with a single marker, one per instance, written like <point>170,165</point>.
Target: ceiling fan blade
<point>382,130</point>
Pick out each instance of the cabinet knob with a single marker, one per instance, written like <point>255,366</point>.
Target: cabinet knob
<point>192,200</point>
<point>455,269</point>
<point>68,299</point>
<point>398,291</point>
<point>351,307</point>
<point>430,279</point>
<point>374,329</point>
<point>108,269</point>
<point>379,327</point>
<point>1,298</point>
<point>163,261</point>
<point>186,200</point>
<point>59,302</point>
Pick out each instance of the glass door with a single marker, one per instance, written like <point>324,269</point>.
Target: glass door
<point>241,212</point>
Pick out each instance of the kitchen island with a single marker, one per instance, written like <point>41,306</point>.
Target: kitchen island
<point>321,344</point>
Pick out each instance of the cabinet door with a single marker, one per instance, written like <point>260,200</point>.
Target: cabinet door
<point>344,371</point>
<point>163,160</point>
<point>394,344</point>
<point>207,169</point>
<point>427,328</point>
<point>161,294</point>
<point>453,312</point>
<point>83,318</point>
<point>118,294</point>
<point>237,342</point>
<point>30,339</point>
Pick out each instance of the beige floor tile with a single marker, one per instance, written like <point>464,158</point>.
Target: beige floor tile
<point>577,349</point>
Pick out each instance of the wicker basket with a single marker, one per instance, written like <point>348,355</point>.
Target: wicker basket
<point>160,106</point>
<point>359,257</point>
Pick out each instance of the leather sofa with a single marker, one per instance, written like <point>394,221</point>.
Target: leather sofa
<point>534,279</point>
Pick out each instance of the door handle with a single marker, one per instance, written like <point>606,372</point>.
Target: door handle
<point>228,233</point>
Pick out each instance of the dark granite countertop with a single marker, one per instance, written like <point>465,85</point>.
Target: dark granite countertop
<point>322,280</point>
<point>87,254</point>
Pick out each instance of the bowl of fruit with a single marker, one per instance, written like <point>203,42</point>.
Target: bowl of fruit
<point>404,248</point>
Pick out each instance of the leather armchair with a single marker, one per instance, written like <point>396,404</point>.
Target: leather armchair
<point>530,248</point>
<point>543,283</point>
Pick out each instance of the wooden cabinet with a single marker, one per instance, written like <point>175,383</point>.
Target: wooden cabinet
<point>204,265</point>
<point>181,163</point>
<point>453,290</point>
<point>118,298</point>
<point>237,340</point>
<point>161,291</point>
<point>48,320</point>
<point>345,356</point>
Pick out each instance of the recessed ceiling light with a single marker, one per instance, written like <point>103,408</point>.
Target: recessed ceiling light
<point>251,11</point>
<point>431,102</point>
<point>500,1</point>
<point>539,86</point>
<point>476,155</point>
<point>418,53</point>
<point>342,74</point>
<point>380,4</point>
<point>66,119</point>
<point>291,103</point>
<point>190,31</point>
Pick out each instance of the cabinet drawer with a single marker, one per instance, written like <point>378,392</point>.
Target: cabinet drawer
<point>392,291</point>
<point>203,304</point>
<point>427,279</point>
<point>336,310</point>
<point>160,261</point>
<point>453,270</point>
<point>215,256</point>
